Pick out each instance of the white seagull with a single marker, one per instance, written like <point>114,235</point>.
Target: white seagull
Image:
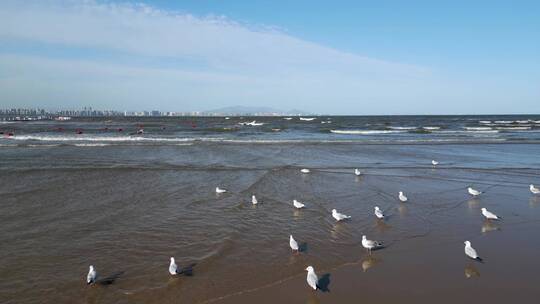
<point>534,190</point>
<point>473,192</point>
<point>369,244</point>
<point>357,172</point>
<point>312,278</point>
<point>470,252</point>
<point>92,275</point>
<point>254,200</point>
<point>490,215</point>
<point>297,204</point>
<point>293,243</point>
<point>434,162</point>
<point>219,190</point>
<point>378,213</point>
<point>305,170</point>
<point>339,216</point>
<point>402,197</point>
<point>173,268</point>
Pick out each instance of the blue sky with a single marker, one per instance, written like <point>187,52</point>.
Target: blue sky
<point>338,57</point>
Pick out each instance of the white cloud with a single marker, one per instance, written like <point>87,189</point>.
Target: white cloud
<point>213,61</point>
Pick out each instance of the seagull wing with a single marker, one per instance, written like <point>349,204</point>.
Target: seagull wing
<point>294,244</point>
<point>471,252</point>
<point>312,280</point>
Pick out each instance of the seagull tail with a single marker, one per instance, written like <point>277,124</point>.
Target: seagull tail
<point>479,259</point>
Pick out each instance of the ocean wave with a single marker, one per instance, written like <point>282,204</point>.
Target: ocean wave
<point>504,121</point>
<point>513,128</point>
<point>83,138</point>
<point>484,121</point>
<point>477,128</point>
<point>92,145</point>
<point>464,131</point>
<point>365,132</point>
<point>403,128</point>
<point>431,128</point>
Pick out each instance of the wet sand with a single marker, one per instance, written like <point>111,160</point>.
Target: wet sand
<point>128,209</point>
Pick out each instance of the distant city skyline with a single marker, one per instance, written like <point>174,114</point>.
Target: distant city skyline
<point>340,57</point>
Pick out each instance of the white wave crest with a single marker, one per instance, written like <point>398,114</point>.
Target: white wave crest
<point>403,128</point>
<point>366,132</point>
<point>478,128</point>
<point>85,138</point>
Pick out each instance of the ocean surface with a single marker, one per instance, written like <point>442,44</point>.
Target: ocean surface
<point>367,129</point>
<point>126,194</point>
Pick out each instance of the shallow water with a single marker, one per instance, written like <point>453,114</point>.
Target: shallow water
<point>128,208</point>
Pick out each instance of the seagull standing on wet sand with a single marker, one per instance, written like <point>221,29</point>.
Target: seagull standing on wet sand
<point>219,190</point>
<point>293,244</point>
<point>402,197</point>
<point>173,268</point>
<point>369,244</point>
<point>305,171</point>
<point>473,192</point>
<point>534,190</point>
<point>339,216</point>
<point>470,252</point>
<point>92,275</point>
<point>434,162</point>
<point>297,204</point>
<point>490,215</point>
<point>312,278</point>
<point>357,172</point>
<point>378,213</point>
<point>254,200</point>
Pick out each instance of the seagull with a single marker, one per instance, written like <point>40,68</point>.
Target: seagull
<point>379,213</point>
<point>470,252</point>
<point>312,278</point>
<point>474,192</point>
<point>219,190</point>
<point>305,170</point>
<point>369,244</point>
<point>293,244</point>
<point>534,190</point>
<point>490,215</point>
<point>402,197</point>
<point>297,204</point>
<point>339,216</point>
<point>173,268</point>
<point>92,275</point>
<point>434,162</point>
<point>357,172</point>
<point>254,200</point>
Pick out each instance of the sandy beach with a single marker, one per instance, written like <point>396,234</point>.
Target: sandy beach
<point>127,209</point>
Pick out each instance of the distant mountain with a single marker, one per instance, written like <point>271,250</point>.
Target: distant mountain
<point>247,110</point>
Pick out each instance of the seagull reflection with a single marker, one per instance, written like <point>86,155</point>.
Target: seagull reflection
<point>402,209</point>
<point>473,203</point>
<point>337,230</point>
<point>297,213</point>
<point>312,299</point>
<point>471,271</point>
<point>534,201</point>
<point>369,262</point>
<point>489,226</point>
<point>381,225</point>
